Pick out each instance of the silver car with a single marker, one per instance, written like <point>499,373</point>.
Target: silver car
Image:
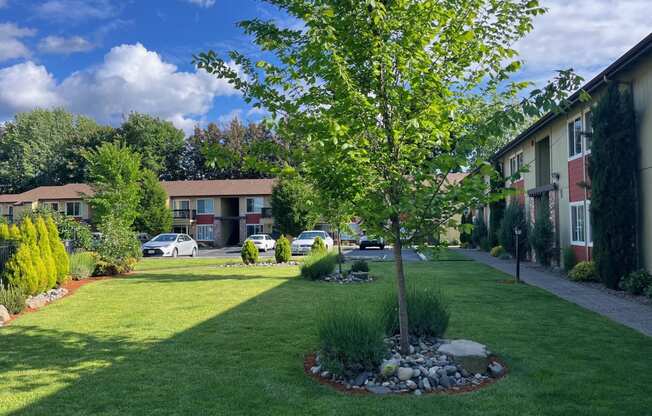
<point>170,245</point>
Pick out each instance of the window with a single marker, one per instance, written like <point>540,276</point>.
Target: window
<point>515,163</point>
<point>577,211</point>
<point>589,236</point>
<point>53,206</point>
<point>254,229</point>
<point>205,233</point>
<point>575,138</point>
<point>73,209</point>
<point>588,130</point>
<point>204,206</point>
<point>254,205</point>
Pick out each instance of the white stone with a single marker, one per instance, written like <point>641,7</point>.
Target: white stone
<point>471,355</point>
<point>4,314</point>
<point>404,373</point>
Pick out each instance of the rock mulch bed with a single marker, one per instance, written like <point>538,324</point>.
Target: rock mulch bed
<point>261,264</point>
<point>432,366</point>
<point>38,301</point>
<point>347,278</point>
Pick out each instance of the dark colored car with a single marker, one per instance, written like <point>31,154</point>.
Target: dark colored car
<point>371,241</point>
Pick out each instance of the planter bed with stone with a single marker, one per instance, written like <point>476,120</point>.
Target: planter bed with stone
<point>348,278</point>
<point>432,366</point>
<point>260,264</point>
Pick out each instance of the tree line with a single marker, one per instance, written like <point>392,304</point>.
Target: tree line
<point>47,147</point>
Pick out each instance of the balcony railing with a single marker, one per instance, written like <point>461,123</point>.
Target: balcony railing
<point>184,214</point>
<point>266,212</point>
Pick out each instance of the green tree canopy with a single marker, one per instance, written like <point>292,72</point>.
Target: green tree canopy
<point>154,216</point>
<point>114,172</point>
<point>293,205</point>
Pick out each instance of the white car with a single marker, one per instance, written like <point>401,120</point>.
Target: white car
<point>303,243</point>
<point>171,245</point>
<point>263,242</point>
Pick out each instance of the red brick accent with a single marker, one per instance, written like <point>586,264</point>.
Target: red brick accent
<point>205,218</point>
<point>252,218</point>
<point>580,253</point>
<point>575,176</point>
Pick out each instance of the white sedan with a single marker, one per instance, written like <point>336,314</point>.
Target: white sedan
<point>263,242</point>
<point>171,245</point>
<point>303,243</point>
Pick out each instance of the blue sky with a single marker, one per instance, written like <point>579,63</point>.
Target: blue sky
<point>105,58</point>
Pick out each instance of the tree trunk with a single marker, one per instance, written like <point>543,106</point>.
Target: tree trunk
<point>339,249</point>
<point>400,285</point>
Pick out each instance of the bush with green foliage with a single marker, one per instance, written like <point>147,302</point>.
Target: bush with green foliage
<point>479,232</point>
<point>497,251</point>
<point>78,233</point>
<point>318,246</point>
<point>428,315</point>
<point>82,265</point>
<point>249,252</point>
<point>513,217</point>
<point>13,298</point>
<point>45,248</point>
<point>637,282</point>
<point>360,266</point>
<point>351,339</point>
<point>118,250</point>
<point>542,235</point>
<point>20,271</point>
<point>283,251</point>
<point>485,244</point>
<point>648,292</point>
<point>154,216</point>
<point>318,265</point>
<point>570,259</point>
<point>614,172</point>
<point>465,236</point>
<point>583,271</point>
<point>59,252</point>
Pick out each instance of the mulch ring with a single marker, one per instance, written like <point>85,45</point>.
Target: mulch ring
<point>310,361</point>
<point>71,286</point>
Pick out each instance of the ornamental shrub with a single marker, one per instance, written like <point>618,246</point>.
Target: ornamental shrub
<point>45,248</point>
<point>14,232</point>
<point>360,266</point>
<point>118,250</point>
<point>82,265</point>
<point>648,292</point>
<point>542,235</point>
<point>497,251</point>
<point>351,339</point>
<point>283,251</point>
<point>249,252</point>
<point>318,265</point>
<point>13,298</point>
<point>59,253</point>
<point>513,217</point>
<point>20,271</point>
<point>318,246</point>
<point>4,232</point>
<point>570,259</point>
<point>637,282</point>
<point>428,315</point>
<point>485,244</point>
<point>583,271</point>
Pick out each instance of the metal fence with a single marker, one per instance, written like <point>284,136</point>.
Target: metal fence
<point>6,251</point>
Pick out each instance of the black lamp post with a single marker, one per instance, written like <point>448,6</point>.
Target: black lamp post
<point>517,233</point>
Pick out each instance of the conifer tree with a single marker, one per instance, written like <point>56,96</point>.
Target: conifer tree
<point>20,271</point>
<point>4,232</point>
<point>14,232</point>
<point>61,260</point>
<point>43,241</point>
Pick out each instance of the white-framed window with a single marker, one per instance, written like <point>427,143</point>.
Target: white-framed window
<point>515,163</point>
<point>254,205</point>
<point>205,206</point>
<point>575,138</point>
<point>205,232</point>
<point>254,229</point>
<point>577,222</point>
<point>588,130</point>
<point>589,231</point>
<point>73,209</point>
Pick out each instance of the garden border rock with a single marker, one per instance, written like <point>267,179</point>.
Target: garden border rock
<point>310,360</point>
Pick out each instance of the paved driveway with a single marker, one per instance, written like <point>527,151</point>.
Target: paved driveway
<point>228,252</point>
<point>378,254</point>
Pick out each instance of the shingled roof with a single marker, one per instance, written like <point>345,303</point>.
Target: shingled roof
<point>224,187</point>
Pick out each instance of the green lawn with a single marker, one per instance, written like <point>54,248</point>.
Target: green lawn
<point>190,338</point>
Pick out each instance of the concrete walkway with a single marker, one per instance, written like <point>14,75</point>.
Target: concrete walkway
<point>627,312</point>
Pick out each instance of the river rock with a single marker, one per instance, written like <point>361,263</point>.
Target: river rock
<point>471,355</point>
<point>4,315</point>
<point>405,373</point>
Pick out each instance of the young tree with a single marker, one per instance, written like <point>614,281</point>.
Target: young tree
<point>114,172</point>
<point>154,216</point>
<point>613,170</point>
<point>62,261</point>
<point>45,248</point>
<point>293,205</point>
<point>410,88</point>
<point>542,235</point>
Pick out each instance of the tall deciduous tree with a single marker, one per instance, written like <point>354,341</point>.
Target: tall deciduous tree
<point>154,216</point>
<point>410,88</point>
<point>114,172</point>
<point>613,169</point>
<point>293,205</point>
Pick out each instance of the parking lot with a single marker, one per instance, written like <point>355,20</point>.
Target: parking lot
<point>349,251</point>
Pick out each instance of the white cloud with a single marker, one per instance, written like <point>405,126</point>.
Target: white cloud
<point>76,10</point>
<point>202,3</point>
<point>26,86</point>
<point>3,3</point>
<point>11,46</point>
<point>225,119</point>
<point>586,35</point>
<point>63,45</point>
<point>131,78</point>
